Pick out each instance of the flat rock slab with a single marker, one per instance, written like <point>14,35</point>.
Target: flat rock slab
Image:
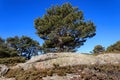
<point>66,59</point>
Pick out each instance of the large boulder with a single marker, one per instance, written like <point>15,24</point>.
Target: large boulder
<point>65,59</point>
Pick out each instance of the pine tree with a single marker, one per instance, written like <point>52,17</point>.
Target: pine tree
<point>4,51</point>
<point>63,28</point>
<point>25,46</point>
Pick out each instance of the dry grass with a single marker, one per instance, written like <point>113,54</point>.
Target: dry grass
<point>87,67</point>
<point>93,72</point>
<point>12,60</point>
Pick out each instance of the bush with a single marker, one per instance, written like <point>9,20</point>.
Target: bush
<point>115,48</point>
<point>12,60</point>
<point>87,72</point>
<point>4,54</point>
<point>13,54</point>
<point>98,49</point>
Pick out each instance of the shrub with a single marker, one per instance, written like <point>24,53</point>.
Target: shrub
<point>91,72</point>
<point>13,53</point>
<point>114,48</point>
<point>98,49</point>
<point>12,60</point>
<point>4,54</point>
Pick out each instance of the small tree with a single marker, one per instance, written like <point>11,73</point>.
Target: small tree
<point>29,46</point>
<point>63,28</point>
<point>1,40</point>
<point>4,53</point>
<point>25,46</point>
<point>98,49</point>
<point>4,50</point>
<point>114,48</point>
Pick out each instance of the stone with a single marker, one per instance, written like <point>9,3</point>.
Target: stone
<point>3,69</point>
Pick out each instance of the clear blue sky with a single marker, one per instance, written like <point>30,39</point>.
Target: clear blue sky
<point>17,18</point>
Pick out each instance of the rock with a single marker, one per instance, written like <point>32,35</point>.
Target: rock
<point>65,59</point>
<point>3,69</point>
<point>109,58</point>
<point>62,59</point>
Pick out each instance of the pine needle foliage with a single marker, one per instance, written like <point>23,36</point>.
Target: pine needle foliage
<point>63,28</point>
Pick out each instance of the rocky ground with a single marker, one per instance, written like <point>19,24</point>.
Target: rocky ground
<point>56,64</point>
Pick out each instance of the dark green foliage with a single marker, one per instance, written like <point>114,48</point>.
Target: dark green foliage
<point>1,41</point>
<point>63,28</point>
<point>4,54</point>
<point>16,46</point>
<point>115,48</point>
<point>13,53</point>
<point>98,49</point>
<point>24,45</point>
<point>13,42</point>
<point>29,46</point>
<point>4,50</point>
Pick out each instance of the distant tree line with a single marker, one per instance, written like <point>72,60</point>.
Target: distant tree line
<point>114,48</point>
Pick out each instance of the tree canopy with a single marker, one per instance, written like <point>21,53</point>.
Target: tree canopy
<point>19,46</point>
<point>63,28</point>
<point>114,48</point>
<point>4,50</point>
<point>25,46</point>
<point>98,49</point>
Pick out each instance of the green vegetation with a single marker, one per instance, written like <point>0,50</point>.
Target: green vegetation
<point>4,54</point>
<point>64,29</point>
<point>6,51</point>
<point>16,46</point>
<point>12,60</point>
<point>98,49</point>
<point>25,45</point>
<point>115,48</point>
<point>87,72</point>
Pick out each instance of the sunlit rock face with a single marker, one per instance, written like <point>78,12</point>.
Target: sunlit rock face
<point>65,59</point>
